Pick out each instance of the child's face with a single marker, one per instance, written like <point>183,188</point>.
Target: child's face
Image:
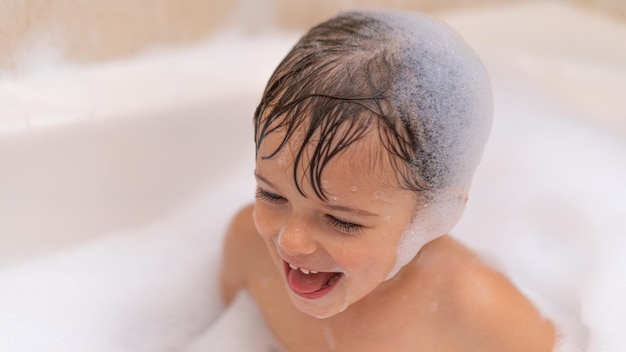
<point>347,244</point>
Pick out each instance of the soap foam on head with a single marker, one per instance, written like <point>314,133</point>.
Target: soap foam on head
<point>442,93</point>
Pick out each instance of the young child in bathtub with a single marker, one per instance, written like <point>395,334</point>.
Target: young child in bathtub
<point>367,137</point>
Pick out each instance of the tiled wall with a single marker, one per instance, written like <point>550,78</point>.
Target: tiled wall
<point>86,31</point>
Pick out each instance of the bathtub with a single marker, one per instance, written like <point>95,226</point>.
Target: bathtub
<point>117,182</point>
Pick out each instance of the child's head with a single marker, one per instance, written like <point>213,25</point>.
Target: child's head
<point>399,99</point>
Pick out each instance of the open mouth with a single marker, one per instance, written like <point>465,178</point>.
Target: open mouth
<point>310,284</point>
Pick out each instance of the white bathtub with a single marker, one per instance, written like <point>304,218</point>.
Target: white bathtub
<point>117,180</point>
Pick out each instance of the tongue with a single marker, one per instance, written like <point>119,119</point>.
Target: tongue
<point>307,283</point>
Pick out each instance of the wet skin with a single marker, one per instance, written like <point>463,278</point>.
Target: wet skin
<point>445,299</point>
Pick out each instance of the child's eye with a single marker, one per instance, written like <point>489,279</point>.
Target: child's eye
<point>269,197</point>
<point>344,226</point>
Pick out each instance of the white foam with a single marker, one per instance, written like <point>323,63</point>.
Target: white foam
<point>430,222</point>
<point>444,91</point>
<point>240,328</point>
<point>151,288</point>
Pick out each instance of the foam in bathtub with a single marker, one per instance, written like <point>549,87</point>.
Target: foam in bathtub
<point>146,289</point>
<point>239,328</point>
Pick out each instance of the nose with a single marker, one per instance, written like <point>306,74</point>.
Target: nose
<point>293,241</point>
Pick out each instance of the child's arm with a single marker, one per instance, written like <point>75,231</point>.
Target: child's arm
<point>233,276</point>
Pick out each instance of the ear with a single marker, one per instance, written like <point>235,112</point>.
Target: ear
<point>431,221</point>
<point>444,211</point>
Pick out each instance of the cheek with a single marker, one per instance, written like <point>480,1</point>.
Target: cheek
<point>378,257</point>
<point>365,259</point>
<point>265,221</point>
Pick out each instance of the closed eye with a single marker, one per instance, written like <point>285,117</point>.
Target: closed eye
<point>344,226</point>
<point>269,197</point>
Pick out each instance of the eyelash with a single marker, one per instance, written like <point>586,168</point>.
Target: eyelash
<point>268,197</point>
<point>341,225</point>
<point>344,226</point>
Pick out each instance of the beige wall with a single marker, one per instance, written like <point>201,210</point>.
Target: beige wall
<point>92,30</point>
<point>304,13</point>
<point>612,8</point>
<point>87,30</point>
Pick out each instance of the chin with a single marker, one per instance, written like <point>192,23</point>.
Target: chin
<point>324,307</point>
<point>315,311</point>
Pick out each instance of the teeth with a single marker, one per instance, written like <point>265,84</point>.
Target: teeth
<point>305,271</point>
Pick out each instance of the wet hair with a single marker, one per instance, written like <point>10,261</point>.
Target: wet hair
<point>405,76</point>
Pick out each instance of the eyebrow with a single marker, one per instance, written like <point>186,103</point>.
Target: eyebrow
<point>342,208</point>
<point>333,207</point>
<point>263,179</point>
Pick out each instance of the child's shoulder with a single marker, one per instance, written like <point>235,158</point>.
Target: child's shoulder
<point>489,311</point>
<point>242,235</point>
<point>242,225</point>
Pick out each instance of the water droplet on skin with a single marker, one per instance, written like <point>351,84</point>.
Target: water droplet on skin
<point>354,188</point>
<point>281,157</point>
<point>383,197</point>
<point>330,338</point>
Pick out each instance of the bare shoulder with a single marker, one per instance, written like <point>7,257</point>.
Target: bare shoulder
<point>239,243</point>
<point>491,313</point>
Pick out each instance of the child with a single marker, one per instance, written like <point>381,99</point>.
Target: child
<point>367,138</point>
